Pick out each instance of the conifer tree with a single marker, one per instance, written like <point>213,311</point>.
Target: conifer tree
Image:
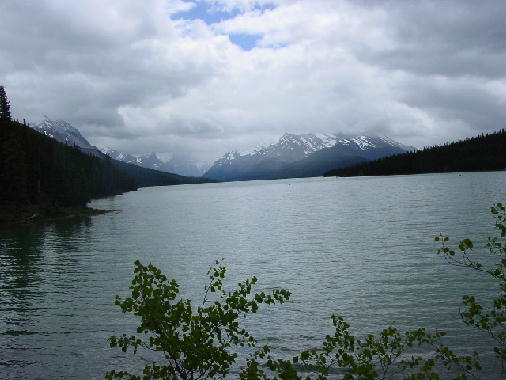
<point>14,170</point>
<point>5,108</point>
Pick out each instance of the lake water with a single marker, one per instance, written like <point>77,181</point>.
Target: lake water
<point>358,247</point>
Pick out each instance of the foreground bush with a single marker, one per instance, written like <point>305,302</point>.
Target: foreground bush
<point>197,343</point>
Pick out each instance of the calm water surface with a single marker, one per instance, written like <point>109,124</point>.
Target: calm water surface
<point>358,247</point>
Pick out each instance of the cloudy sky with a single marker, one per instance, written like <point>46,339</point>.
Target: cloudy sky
<point>204,77</point>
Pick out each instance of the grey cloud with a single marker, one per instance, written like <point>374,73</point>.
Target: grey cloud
<point>56,61</point>
<point>444,62</point>
<point>126,76</point>
<point>452,38</point>
<point>466,102</point>
<point>200,128</point>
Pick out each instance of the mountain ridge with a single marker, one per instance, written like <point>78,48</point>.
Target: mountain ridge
<point>479,153</point>
<point>67,134</point>
<point>64,132</point>
<point>37,169</point>
<point>302,155</point>
<point>151,160</point>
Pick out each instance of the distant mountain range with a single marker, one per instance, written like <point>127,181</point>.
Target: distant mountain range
<point>151,161</point>
<point>483,152</point>
<point>37,171</point>
<point>64,132</point>
<point>303,155</point>
<point>294,155</point>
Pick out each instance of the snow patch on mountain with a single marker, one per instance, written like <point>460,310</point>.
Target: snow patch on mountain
<point>309,152</point>
<point>305,144</point>
<point>62,131</point>
<point>363,142</point>
<point>65,133</point>
<point>397,144</point>
<point>176,165</point>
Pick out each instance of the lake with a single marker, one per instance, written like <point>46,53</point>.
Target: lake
<point>358,247</point>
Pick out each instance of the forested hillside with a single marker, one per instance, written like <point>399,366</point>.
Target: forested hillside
<point>484,152</point>
<point>150,177</point>
<point>37,169</point>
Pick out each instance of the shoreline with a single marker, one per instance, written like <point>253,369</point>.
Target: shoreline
<point>16,215</point>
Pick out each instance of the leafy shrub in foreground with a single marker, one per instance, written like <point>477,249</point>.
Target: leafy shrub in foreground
<point>197,343</point>
<point>492,320</point>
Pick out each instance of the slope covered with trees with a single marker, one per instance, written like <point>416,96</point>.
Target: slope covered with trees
<point>484,152</point>
<point>36,170</point>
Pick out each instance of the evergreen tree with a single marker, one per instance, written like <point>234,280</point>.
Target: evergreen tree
<point>5,108</point>
<point>13,176</point>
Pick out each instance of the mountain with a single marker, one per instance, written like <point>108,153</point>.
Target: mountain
<point>36,169</point>
<point>484,152</point>
<point>177,164</point>
<point>303,155</point>
<point>148,161</point>
<point>65,133</point>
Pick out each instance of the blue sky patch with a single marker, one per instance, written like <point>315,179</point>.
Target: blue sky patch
<point>211,13</point>
<point>243,40</point>
<point>206,12</point>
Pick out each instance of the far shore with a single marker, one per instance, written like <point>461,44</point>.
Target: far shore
<point>27,215</point>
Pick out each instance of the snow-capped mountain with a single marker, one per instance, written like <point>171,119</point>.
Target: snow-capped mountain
<point>297,146</point>
<point>151,161</point>
<point>289,148</point>
<point>302,155</point>
<point>64,132</point>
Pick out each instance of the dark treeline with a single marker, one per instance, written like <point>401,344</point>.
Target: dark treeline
<point>149,177</point>
<point>36,169</point>
<point>484,152</point>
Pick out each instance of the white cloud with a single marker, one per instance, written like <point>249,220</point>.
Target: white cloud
<point>129,76</point>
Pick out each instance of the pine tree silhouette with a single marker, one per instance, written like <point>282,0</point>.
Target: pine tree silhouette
<point>5,108</point>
